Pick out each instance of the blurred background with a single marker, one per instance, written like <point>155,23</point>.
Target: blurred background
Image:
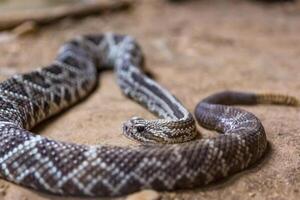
<point>194,48</point>
<point>7,5</point>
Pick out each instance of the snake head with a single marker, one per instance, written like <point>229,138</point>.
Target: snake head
<point>139,129</point>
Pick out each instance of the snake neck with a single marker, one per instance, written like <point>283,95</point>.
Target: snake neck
<point>123,54</point>
<point>176,123</point>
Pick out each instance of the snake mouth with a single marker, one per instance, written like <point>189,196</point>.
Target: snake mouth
<point>128,132</point>
<point>126,128</point>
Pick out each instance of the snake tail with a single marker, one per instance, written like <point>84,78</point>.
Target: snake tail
<point>280,99</point>
<point>242,130</point>
<point>247,98</point>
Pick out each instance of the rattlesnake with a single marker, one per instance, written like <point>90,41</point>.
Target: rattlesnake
<point>71,169</point>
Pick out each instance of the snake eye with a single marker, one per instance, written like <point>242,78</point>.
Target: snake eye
<point>140,128</point>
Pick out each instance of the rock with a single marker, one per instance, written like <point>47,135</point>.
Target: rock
<point>144,195</point>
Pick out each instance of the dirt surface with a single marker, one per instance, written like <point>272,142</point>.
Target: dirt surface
<point>193,49</point>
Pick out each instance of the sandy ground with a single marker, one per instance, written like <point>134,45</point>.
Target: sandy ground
<point>193,49</point>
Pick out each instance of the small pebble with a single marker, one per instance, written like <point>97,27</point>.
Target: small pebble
<point>6,37</point>
<point>25,28</point>
<point>252,194</point>
<point>144,195</point>
<point>3,189</point>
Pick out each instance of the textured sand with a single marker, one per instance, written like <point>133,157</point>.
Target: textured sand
<point>193,49</point>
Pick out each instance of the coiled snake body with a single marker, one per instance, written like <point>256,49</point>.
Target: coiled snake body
<point>71,169</point>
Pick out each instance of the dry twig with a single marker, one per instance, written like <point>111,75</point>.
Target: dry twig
<point>46,16</point>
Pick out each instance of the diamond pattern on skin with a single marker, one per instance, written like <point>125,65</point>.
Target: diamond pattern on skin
<point>71,169</point>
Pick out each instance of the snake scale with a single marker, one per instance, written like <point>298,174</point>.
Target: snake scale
<point>72,169</point>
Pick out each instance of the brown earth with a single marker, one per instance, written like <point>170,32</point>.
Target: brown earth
<point>193,49</point>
